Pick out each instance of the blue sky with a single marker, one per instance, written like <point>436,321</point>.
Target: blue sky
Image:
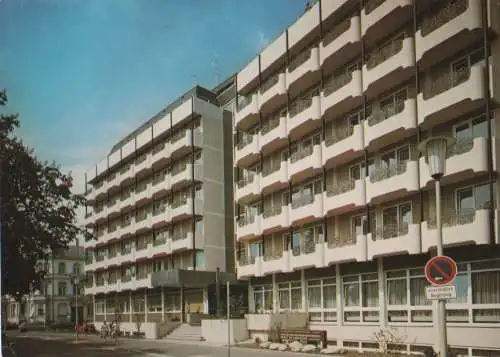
<point>84,73</point>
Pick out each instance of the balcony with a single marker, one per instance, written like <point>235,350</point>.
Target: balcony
<point>247,151</point>
<point>273,93</point>
<point>305,163</point>
<point>306,208</point>
<point>473,151</point>
<point>161,185</point>
<point>343,146</point>
<point>100,189</point>
<point>248,187</point>
<point>346,196</point>
<point>247,113</point>
<point>352,249</point>
<point>310,255</point>
<point>160,218</point>
<point>273,134</point>
<point>391,182</point>
<point>274,177</point>
<point>303,70</point>
<point>249,267</point>
<point>388,66</point>
<point>142,223</point>
<point>182,241</point>
<point>304,115</point>
<point>160,155</point>
<point>248,76</point>
<point>342,94</point>
<point>458,229</point>
<point>459,22</point>
<point>378,17</point>
<point>391,123</point>
<point>142,194</point>
<point>186,208</point>
<point>341,43</point>
<point>393,239</point>
<point>142,164</point>
<point>183,141</point>
<point>275,219</point>
<point>127,201</point>
<point>450,95</point>
<point>183,178</point>
<point>127,174</point>
<point>249,226</point>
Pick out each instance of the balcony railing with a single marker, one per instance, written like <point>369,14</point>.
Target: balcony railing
<point>176,203</point>
<point>244,259</point>
<point>244,140</point>
<point>126,278</point>
<point>273,211</point>
<point>177,169</point>
<point>381,173</point>
<point>299,106</point>
<point>339,134</point>
<point>158,179</point>
<point>178,135</point>
<point>141,159</point>
<point>141,217</point>
<point>388,231</point>
<point>446,14</point>
<point>126,250</point>
<point>159,241</point>
<point>124,169</point>
<point>158,148</point>
<point>452,219</point>
<point>299,155</point>
<point>141,244</point>
<point>244,101</point>
<point>271,166</point>
<point>269,83</point>
<point>371,5</point>
<point>337,82</point>
<point>385,112</point>
<point>336,31</point>
<point>302,201</point>
<point>100,258</point>
<point>246,180</point>
<point>270,124</point>
<point>445,81</point>
<point>342,240</point>
<point>340,188</point>
<point>125,195</point>
<point>461,146</point>
<point>245,220</point>
<point>384,53</point>
<point>299,60</point>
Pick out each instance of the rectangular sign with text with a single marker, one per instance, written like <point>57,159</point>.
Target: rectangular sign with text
<point>444,292</point>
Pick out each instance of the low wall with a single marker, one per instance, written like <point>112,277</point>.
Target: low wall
<point>217,331</point>
<point>259,325</point>
<point>150,329</point>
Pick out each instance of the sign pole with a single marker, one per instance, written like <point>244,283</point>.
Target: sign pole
<point>441,313</point>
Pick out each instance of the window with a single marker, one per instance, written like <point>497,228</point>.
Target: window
<point>322,300</point>
<point>154,303</point>
<point>61,288</point>
<point>361,299</point>
<point>172,302</point>
<point>76,269</point>
<point>472,198</point>
<point>263,298</point>
<point>290,296</point>
<point>61,268</point>
<point>62,310</point>
<point>471,129</point>
<point>395,220</point>
<point>200,259</point>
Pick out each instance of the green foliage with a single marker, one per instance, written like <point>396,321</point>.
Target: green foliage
<point>38,209</point>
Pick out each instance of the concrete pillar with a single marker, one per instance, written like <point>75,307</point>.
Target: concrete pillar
<point>130,306</point>
<point>145,305</point>
<point>381,293</point>
<point>340,298</point>
<point>105,308</point>
<point>182,305</point>
<point>303,284</point>
<point>162,303</point>
<point>276,306</point>
<point>93,307</point>
<point>205,300</point>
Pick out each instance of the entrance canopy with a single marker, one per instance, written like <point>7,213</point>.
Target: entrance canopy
<point>189,278</point>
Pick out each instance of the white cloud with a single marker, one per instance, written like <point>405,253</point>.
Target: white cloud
<point>262,40</point>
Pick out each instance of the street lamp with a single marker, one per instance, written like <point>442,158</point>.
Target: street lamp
<point>435,150</point>
<point>76,280</point>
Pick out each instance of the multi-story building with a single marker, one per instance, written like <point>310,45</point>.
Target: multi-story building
<point>56,300</point>
<point>335,205</point>
<point>159,213</point>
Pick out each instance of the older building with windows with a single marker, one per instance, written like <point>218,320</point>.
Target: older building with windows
<point>335,207</point>
<point>159,213</point>
<point>55,301</point>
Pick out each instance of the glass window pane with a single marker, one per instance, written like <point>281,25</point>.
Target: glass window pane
<point>370,294</point>
<point>396,290</point>
<point>329,297</point>
<point>351,294</point>
<point>465,200</point>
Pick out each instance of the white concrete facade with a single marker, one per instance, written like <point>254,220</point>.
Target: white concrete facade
<point>330,182</point>
<point>157,204</point>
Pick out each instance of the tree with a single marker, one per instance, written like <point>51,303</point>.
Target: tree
<point>37,210</point>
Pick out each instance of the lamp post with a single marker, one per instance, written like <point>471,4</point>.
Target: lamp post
<point>76,280</point>
<point>435,151</point>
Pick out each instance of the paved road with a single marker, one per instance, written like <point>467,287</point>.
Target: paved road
<point>42,344</point>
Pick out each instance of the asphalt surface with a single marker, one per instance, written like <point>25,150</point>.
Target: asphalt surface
<point>43,344</point>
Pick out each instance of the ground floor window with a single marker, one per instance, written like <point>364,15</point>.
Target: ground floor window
<point>263,298</point>
<point>290,296</point>
<point>99,307</point>
<point>154,303</point>
<point>322,300</point>
<point>361,298</point>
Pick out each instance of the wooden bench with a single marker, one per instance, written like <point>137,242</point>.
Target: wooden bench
<point>304,336</point>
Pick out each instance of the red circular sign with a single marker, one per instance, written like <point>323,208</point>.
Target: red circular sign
<point>441,270</point>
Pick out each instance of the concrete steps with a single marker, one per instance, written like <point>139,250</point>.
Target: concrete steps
<point>185,333</point>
